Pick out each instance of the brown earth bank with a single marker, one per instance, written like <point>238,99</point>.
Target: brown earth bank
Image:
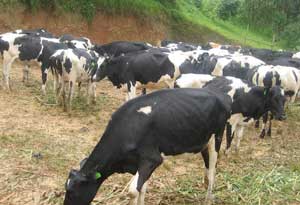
<point>103,28</point>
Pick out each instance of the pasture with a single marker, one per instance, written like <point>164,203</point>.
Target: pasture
<point>39,144</point>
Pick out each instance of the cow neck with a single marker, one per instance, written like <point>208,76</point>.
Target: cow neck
<point>249,104</point>
<point>100,159</point>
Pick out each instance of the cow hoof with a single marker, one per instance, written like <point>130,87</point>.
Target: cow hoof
<point>226,152</point>
<point>256,124</point>
<point>209,199</point>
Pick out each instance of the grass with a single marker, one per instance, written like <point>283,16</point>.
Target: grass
<point>232,32</point>
<point>265,171</point>
<point>185,21</point>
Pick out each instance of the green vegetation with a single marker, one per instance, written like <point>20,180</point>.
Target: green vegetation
<point>269,24</point>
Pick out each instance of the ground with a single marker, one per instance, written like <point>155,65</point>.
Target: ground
<point>39,144</point>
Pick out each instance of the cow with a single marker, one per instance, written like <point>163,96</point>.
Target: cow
<point>296,55</point>
<point>265,54</point>
<point>248,102</point>
<point>213,64</point>
<point>7,40</point>
<point>71,66</point>
<point>174,46</point>
<point>35,32</point>
<point>286,61</point>
<point>78,42</point>
<point>268,76</point>
<point>28,48</point>
<point>143,67</point>
<point>118,48</point>
<point>165,122</point>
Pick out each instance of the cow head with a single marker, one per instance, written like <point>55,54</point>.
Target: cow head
<point>275,102</point>
<point>101,70</point>
<point>81,188</point>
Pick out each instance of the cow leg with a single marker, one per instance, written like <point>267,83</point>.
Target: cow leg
<point>137,188</point>
<point>25,73</point>
<point>257,124</point>
<point>144,91</point>
<point>92,92</point>
<point>64,91</point>
<point>44,79</point>
<point>293,98</point>
<point>229,137</point>
<point>70,96</point>
<point>213,155</point>
<point>205,156</point>
<point>131,91</point>
<point>270,126</point>
<point>239,135</point>
<point>263,131</point>
<point>59,91</point>
<point>7,61</point>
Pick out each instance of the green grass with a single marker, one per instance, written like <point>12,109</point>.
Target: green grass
<point>232,32</point>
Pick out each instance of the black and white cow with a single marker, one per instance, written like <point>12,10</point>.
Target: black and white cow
<point>268,76</point>
<point>78,42</point>
<point>118,48</point>
<point>248,102</point>
<point>296,55</point>
<point>142,67</point>
<point>286,77</point>
<point>75,65</point>
<point>214,64</point>
<point>7,41</point>
<point>27,48</point>
<point>35,32</point>
<point>266,54</point>
<point>174,46</point>
<point>286,61</point>
<point>166,122</point>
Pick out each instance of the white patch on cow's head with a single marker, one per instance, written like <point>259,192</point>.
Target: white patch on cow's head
<point>68,182</point>
<point>282,91</point>
<point>146,110</point>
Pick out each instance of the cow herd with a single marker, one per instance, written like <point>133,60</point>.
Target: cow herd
<point>213,88</point>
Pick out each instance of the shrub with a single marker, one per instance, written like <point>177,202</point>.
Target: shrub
<point>227,9</point>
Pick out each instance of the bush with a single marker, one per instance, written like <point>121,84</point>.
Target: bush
<point>291,35</point>
<point>227,9</point>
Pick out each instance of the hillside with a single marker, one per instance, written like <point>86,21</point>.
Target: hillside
<point>148,20</point>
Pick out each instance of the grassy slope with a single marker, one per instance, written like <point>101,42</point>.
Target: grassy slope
<point>187,22</point>
<point>234,33</point>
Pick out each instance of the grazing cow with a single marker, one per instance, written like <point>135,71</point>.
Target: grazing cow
<point>296,55</point>
<point>27,48</point>
<point>75,65</point>
<point>265,54</point>
<point>248,102</point>
<point>81,42</point>
<point>144,67</point>
<point>166,122</point>
<point>118,48</point>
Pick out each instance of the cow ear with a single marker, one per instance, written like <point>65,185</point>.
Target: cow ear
<point>266,91</point>
<point>81,164</point>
